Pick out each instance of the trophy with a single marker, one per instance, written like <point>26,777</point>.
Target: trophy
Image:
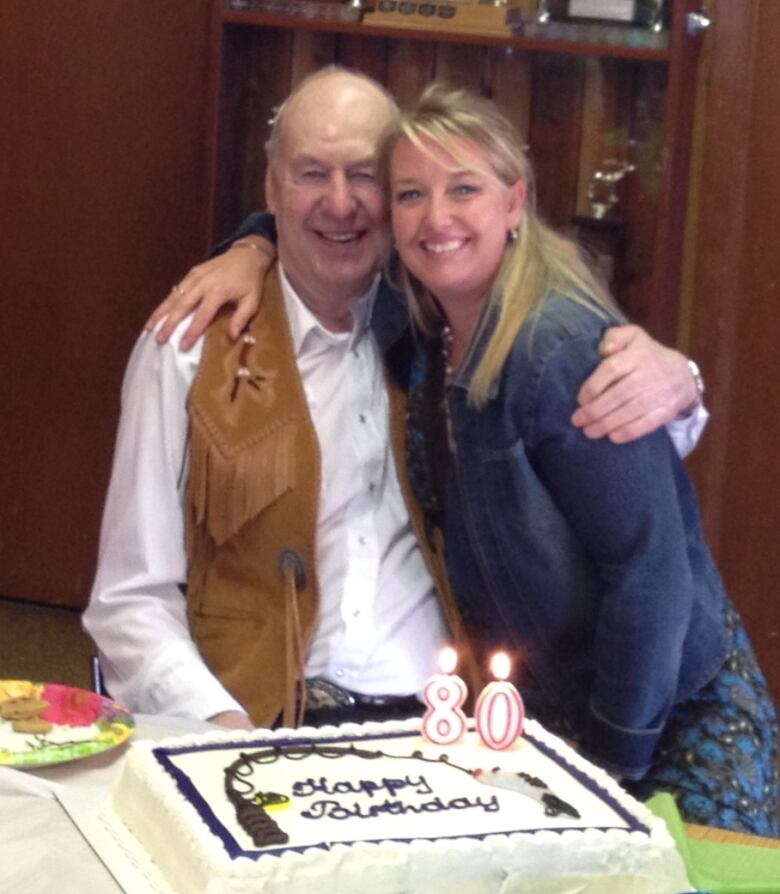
<point>603,232</point>
<point>653,15</point>
<point>602,189</point>
<point>543,13</point>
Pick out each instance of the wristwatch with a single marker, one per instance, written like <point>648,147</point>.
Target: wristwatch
<point>698,379</point>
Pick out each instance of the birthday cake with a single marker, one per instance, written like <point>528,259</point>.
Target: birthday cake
<point>377,807</point>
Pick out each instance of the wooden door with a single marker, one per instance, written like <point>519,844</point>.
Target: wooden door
<point>101,205</point>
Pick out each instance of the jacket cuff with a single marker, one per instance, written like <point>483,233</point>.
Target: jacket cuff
<point>622,752</point>
<point>260,223</point>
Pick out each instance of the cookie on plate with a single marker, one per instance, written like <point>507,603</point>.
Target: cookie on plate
<point>22,708</point>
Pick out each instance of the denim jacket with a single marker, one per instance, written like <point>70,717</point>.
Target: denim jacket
<point>585,557</point>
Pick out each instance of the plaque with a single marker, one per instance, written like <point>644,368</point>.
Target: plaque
<point>643,13</point>
<point>608,10</point>
<point>445,15</point>
<point>350,11</point>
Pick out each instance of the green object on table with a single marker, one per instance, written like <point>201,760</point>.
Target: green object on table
<point>720,867</point>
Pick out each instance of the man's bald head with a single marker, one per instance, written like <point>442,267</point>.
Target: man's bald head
<point>334,89</point>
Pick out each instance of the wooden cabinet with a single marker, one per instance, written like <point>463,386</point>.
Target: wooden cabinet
<point>578,104</point>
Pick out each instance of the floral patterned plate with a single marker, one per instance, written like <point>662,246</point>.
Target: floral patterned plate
<point>82,723</point>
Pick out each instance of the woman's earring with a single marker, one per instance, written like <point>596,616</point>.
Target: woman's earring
<point>511,235</point>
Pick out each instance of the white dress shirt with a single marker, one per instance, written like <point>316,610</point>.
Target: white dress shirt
<point>685,432</point>
<point>380,625</point>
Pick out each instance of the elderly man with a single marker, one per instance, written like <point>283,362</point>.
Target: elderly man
<point>277,459</point>
<point>301,560</point>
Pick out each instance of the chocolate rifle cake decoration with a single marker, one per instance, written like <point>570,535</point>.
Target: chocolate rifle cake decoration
<point>252,805</point>
<point>250,811</point>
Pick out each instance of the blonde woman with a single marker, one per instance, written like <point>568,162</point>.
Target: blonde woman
<point>585,557</point>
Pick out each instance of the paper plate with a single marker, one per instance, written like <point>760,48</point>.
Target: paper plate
<point>83,723</point>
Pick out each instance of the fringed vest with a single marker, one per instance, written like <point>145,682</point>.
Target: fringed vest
<point>251,512</point>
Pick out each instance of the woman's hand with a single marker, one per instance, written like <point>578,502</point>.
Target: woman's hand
<point>638,387</point>
<point>235,277</point>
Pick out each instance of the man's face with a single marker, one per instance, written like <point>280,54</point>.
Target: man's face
<point>331,214</point>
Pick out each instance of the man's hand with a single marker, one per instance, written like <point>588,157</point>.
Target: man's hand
<point>638,387</point>
<point>232,720</point>
<point>235,277</point>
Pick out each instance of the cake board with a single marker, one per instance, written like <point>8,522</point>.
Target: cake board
<point>125,859</point>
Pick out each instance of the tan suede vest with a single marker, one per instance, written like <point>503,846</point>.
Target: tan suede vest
<point>252,506</point>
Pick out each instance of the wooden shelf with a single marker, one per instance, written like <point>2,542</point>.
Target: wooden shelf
<point>526,44</point>
<point>576,104</point>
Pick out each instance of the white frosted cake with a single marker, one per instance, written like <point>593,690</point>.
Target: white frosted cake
<point>376,808</point>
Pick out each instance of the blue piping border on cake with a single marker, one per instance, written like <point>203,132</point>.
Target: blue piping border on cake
<point>234,850</point>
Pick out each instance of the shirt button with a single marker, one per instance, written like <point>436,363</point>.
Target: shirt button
<point>362,417</point>
<point>371,487</point>
<point>340,672</point>
<point>362,540</point>
<point>356,613</point>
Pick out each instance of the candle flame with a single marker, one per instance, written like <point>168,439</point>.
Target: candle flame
<point>500,665</point>
<point>448,659</point>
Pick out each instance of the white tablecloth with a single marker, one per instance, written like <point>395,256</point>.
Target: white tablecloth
<point>41,850</point>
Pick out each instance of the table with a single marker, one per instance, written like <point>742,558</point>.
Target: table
<point>707,833</point>
<point>41,850</point>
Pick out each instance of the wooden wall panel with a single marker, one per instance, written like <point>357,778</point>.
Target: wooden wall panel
<point>461,65</point>
<point>101,178</point>
<point>679,107</point>
<point>642,191</point>
<point>227,125</point>
<point>368,56</point>
<point>270,80</point>
<point>735,324</point>
<point>410,68</point>
<point>508,83</point>
<point>311,50</point>
<point>558,85</point>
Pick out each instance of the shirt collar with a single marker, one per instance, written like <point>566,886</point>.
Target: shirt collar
<point>304,324</point>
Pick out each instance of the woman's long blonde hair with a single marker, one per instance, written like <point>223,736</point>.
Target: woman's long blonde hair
<point>535,263</point>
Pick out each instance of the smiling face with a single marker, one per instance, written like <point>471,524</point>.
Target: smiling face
<point>451,216</point>
<point>331,215</point>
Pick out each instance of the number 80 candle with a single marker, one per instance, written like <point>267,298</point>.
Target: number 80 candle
<point>499,710</point>
<point>444,722</point>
